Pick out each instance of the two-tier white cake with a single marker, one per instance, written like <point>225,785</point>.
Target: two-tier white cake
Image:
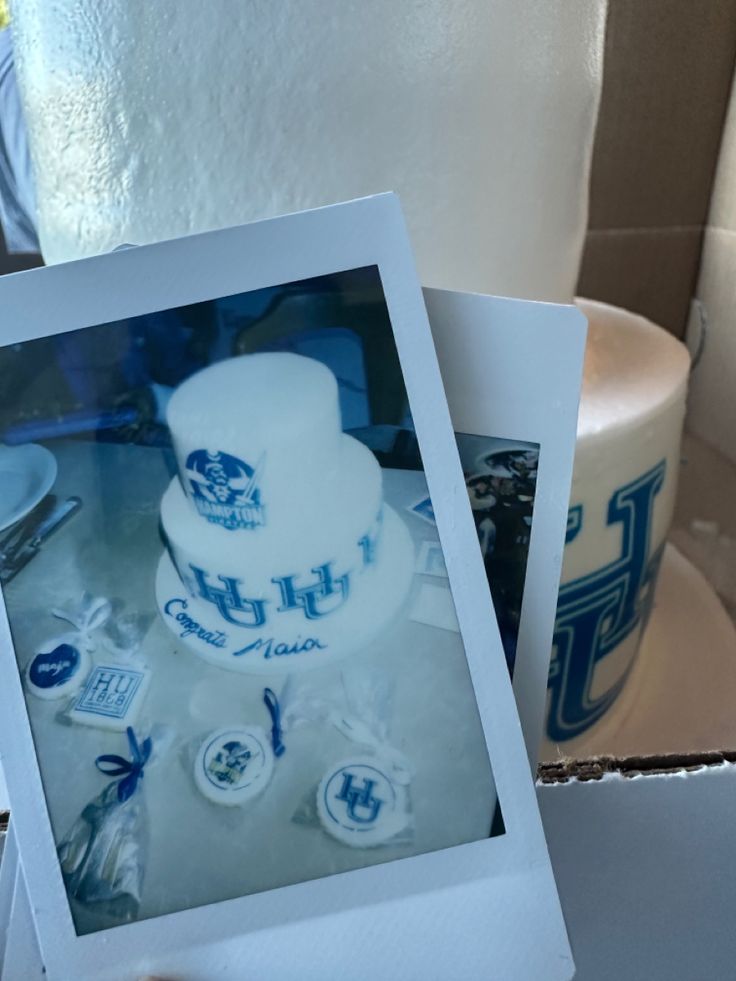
<point>281,552</point>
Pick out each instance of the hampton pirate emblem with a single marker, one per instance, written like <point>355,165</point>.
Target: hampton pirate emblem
<point>229,763</point>
<point>233,765</point>
<point>225,490</point>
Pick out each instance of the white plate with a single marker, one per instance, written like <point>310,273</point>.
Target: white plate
<point>27,474</point>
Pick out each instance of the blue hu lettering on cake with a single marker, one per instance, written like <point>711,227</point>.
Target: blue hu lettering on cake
<point>225,490</point>
<point>599,611</point>
<point>318,598</point>
<point>231,604</point>
<point>50,669</point>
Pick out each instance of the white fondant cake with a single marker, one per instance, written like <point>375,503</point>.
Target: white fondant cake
<point>281,552</point>
<point>623,495</point>
<point>498,204</point>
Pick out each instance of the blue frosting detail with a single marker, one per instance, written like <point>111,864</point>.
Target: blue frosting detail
<point>599,611</point>
<point>225,490</point>
<point>109,692</point>
<point>54,668</point>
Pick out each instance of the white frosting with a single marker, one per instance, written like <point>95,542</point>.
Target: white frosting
<point>479,114</point>
<point>633,370</point>
<point>361,804</point>
<point>234,765</point>
<point>112,697</point>
<point>277,415</point>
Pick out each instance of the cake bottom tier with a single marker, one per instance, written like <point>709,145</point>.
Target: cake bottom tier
<point>290,641</point>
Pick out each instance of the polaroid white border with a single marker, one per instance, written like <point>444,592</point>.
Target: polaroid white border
<point>513,369</point>
<point>485,908</point>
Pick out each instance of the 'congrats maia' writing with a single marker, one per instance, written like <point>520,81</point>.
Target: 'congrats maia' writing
<point>176,609</point>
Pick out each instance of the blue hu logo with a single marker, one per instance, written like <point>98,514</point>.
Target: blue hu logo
<point>233,607</point>
<point>225,490</point>
<point>53,668</point>
<point>598,612</point>
<point>362,806</point>
<point>319,598</point>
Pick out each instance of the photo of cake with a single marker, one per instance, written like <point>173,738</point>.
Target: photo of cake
<point>281,553</point>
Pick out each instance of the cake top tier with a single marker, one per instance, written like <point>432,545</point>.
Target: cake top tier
<point>633,370</point>
<point>252,433</point>
<point>270,396</point>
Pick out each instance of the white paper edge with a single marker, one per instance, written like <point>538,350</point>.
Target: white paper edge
<point>513,369</point>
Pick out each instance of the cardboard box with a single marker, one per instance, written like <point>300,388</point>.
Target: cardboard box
<point>639,830</point>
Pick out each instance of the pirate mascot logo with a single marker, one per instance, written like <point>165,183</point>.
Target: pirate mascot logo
<point>225,490</point>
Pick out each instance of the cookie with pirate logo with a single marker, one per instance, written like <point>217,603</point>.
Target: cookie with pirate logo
<point>57,668</point>
<point>234,765</point>
<point>361,803</point>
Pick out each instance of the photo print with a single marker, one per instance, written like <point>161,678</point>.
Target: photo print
<point>243,604</point>
<point>246,638</point>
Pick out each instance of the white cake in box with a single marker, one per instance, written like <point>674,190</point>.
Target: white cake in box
<point>623,495</point>
<point>281,553</point>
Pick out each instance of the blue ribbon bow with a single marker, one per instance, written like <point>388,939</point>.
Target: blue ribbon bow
<point>274,709</point>
<point>130,770</point>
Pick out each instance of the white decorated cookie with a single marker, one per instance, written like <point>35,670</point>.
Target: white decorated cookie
<point>361,803</point>
<point>234,765</point>
<point>280,551</point>
<point>57,668</point>
<point>112,697</point>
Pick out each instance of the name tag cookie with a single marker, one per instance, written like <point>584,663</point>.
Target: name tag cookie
<point>234,765</point>
<point>361,804</point>
<point>112,697</point>
<point>57,668</point>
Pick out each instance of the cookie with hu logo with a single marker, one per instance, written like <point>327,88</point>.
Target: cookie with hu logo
<point>360,802</point>
<point>57,668</point>
<point>234,765</point>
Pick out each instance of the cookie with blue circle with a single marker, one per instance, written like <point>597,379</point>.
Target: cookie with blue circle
<point>57,668</point>
<point>234,765</point>
<point>360,802</point>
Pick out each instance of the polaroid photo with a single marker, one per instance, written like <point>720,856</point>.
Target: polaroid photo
<point>240,744</point>
<point>512,371</point>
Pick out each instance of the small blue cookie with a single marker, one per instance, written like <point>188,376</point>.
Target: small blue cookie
<point>58,668</point>
<point>361,804</point>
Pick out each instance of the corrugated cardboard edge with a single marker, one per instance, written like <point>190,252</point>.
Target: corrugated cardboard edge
<point>565,770</point>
